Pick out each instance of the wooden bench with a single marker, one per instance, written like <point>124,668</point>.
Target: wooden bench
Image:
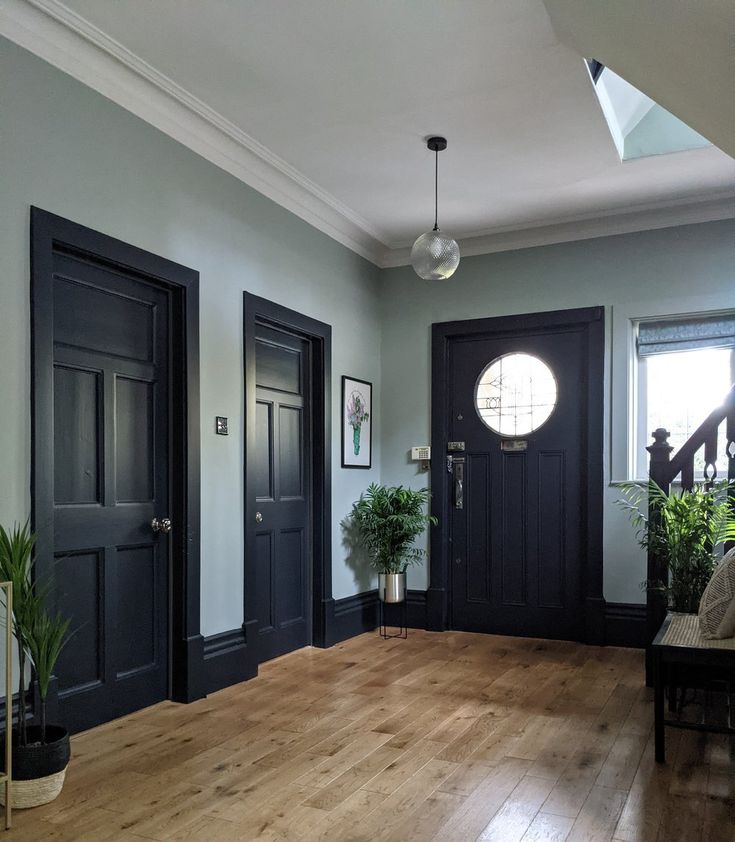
<point>677,652</point>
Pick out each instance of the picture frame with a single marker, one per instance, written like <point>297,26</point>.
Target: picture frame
<point>357,423</point>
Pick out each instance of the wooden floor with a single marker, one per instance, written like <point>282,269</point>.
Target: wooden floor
<point>442,736</point>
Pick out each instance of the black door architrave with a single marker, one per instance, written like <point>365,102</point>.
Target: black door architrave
<point>52,235</point>
<point>257,312</point>
<point>591,322</point>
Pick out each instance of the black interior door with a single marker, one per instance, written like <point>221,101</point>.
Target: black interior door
<point>517,422</point>
<point>110,478</point>
<point>283,492</point>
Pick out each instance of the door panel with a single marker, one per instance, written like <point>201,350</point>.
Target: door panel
<point>283,492</point>
<point>264,463</point>
<point>291,568</point>
<point>478,519</point>
<point>111,469</point>
<point>76,433</point>
<point>135,608</point>
<point>80,595</point>
<point>290,455</point>
<point>552,517</point>
<point>515,541</point>
<point>134,440</point>
<point>114,323</point>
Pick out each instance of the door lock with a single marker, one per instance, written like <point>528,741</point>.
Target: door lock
<point>162,525</point>
<point>458,470</point>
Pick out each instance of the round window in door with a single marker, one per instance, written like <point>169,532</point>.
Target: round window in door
<point>515,394</point>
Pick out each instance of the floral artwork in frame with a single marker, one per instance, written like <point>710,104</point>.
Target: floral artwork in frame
<point>357,426</point>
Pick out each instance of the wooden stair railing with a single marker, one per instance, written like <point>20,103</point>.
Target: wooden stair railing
<point>664,470</point>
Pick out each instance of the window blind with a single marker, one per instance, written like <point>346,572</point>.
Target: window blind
<point>690,334</point>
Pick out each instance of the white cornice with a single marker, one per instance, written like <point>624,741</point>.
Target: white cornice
<point>72,44</point>
<point>69,42</point>
<point>621,221</point>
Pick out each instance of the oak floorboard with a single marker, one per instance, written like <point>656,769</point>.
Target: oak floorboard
<point>452,737</point>
<point>683,820</point>
<point>598,817</point>
<point>435,811</point>
<point>519,810</point>
<point>548,828</point>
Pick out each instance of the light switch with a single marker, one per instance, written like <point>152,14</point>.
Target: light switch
<point>220,425</point>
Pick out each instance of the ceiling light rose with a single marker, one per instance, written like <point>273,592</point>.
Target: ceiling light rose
<point>434,255</point>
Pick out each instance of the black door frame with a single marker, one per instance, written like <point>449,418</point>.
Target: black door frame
<point>257,310</point>
<point>589,319</point>
<point>50,233</point>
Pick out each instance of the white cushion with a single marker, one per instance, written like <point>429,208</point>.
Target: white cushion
<point>717,606</point>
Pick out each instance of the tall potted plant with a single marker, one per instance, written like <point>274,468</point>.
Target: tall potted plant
<point>389,519</point>
<point>687,533</point>
<point>41,751</point>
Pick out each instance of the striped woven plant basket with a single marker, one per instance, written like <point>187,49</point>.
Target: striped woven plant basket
<point>33,793</point>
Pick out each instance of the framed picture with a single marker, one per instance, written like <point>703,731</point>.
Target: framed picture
<point>357,423</point>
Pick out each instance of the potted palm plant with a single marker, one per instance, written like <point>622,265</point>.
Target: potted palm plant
<point>389,519</point>
<point>688,532</point>
<point>40,751</point>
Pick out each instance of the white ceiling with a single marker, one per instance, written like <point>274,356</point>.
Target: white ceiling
<point>340,96</point>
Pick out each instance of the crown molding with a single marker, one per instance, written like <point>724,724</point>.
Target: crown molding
<point>649,217</point>
<point>72,44</point>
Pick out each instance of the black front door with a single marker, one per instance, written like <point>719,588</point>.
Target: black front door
<point>283,491</point>
<point>518,406</point>
<point>110,480</point>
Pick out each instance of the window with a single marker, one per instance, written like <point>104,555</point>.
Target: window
<point>685,369</point>
<point>515,394</point>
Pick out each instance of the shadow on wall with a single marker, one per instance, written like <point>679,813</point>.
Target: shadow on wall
<point>356,558</point>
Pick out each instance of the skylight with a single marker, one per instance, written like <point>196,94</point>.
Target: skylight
<point>639,126</point>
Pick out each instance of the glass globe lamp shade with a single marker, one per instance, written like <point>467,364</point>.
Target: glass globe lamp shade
<point>435,256</point>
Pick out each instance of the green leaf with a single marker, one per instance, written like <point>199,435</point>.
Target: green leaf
<point>38,633</point>
<point>389,519</point>
<point>48,634</point>
<point>686,530</point>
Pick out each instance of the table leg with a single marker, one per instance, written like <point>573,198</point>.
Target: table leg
<point>658,708</point>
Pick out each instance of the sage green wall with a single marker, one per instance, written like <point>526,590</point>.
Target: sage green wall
<point>68,150</point>
<point>674,270</point>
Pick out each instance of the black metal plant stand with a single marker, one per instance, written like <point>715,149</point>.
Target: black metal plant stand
<point>402,629</point>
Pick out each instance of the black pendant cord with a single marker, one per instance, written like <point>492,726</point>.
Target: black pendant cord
<point>436,189</point>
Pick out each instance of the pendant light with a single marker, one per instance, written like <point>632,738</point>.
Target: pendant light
<point>434,255</point>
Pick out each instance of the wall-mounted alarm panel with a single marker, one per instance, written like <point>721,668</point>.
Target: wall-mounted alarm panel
<point>420,454</point>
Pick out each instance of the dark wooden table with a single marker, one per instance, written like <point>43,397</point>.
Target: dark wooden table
<point>678,652</point>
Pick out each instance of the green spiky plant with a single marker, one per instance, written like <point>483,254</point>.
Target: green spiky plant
<point>46,636</point>
<point>39,635</point>
<point>688,531</point>
<point>389,520</point>
<point>16,561</point>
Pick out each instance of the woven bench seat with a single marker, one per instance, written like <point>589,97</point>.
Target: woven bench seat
<point>683,630</point>
<point>680,644</point>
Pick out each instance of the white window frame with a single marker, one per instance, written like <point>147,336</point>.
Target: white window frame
<point>641,433</point>
<point>623,415</point>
